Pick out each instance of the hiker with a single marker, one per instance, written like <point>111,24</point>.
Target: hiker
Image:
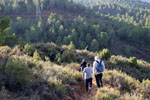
<point>98,70</point>
<point>83,65</point>
<point>87,73</point>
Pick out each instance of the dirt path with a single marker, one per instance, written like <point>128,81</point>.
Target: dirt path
<point>90,96</point>
<point>85,96</point>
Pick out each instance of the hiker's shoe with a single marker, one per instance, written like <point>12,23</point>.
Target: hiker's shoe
<point>90,88</point>
<point>89,91</point>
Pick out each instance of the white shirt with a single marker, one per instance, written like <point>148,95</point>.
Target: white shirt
<point>95,64</point>
<point>87,72</point>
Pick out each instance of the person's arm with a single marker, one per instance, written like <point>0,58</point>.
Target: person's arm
<point>103,65</point>
<point>83,73</point>
<point>94,68</point>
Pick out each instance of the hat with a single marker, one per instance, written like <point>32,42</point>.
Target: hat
<point>96,58</point>
<point>83,60</point>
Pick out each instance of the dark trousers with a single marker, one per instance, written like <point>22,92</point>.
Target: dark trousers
<point>99,80</point>
<point>88,81</point>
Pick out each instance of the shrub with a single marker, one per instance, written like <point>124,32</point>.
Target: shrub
<point>29,49</point>
<point>58,58</point>
<point>57,85</point>
<point>68,76</point>
<point>68,56</point>
<point>133,61</point>
<point>124,82</point>
<point>145,88</point>
<point>71,46</point>
<point>60,78</point>
<point>74,66</point>
<point>47,58</point>
<point>17,73</point>
<point>4,49</point>
<point>36,56</point>
<point>139,72</point>
<point>128,96</point>
<point>105,54</point>
<point>128,84</point>
<point>107,94</point>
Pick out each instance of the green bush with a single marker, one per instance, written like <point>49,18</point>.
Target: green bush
<point>17,72</point>
<point>133,61</point>
<point>128,96</point>
<point>68,76</point>
<point>71,46</point>
<point>145,88</point>
<point>60,78</point>
<point>105,54</point>
<point>57,85</point>
<point>65,74</point>
<point>107,94</point>
<point>124,82</point>
<point>139,72</point>
<point>58,58</point>
<point>36,56</point>
<point>68,56</point>
<point>73,66</point>
<point>29,49</point>
<point>4,49</point>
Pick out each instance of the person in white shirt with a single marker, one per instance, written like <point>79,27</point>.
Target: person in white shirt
<point>87,73</point>
<point>98,75</point>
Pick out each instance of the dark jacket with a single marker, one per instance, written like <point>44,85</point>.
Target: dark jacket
<point>83,65</point>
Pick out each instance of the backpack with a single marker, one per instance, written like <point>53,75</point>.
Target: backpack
<point>100,67</point>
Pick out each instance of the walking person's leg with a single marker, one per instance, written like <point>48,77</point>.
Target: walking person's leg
<point>87,85</point>
<point>90,85</point>
<point>90,82</point>
<point>97,80</point>
<point>101,81</point>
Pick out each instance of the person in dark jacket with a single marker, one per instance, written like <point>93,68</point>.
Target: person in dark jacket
<point>83,65</point>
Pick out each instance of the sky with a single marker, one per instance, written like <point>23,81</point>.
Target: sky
<point>146,0</point>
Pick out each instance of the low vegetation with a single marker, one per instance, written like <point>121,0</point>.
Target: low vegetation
<point>138,69</point>
<point>36,74</point>
<point>107,94</point>
<point>34,77</point>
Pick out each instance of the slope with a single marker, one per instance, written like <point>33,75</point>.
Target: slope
<point>60,79</point>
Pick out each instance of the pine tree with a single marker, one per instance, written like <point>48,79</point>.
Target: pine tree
<point>94,45</point>
<point>71,46</point>
<point>5,38</point>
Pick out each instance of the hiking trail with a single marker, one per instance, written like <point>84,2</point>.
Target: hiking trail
<point>81,94</point>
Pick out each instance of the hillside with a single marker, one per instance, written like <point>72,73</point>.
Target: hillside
<point>60,79</point>
<point>108,27</point>
<point>40,56</point>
